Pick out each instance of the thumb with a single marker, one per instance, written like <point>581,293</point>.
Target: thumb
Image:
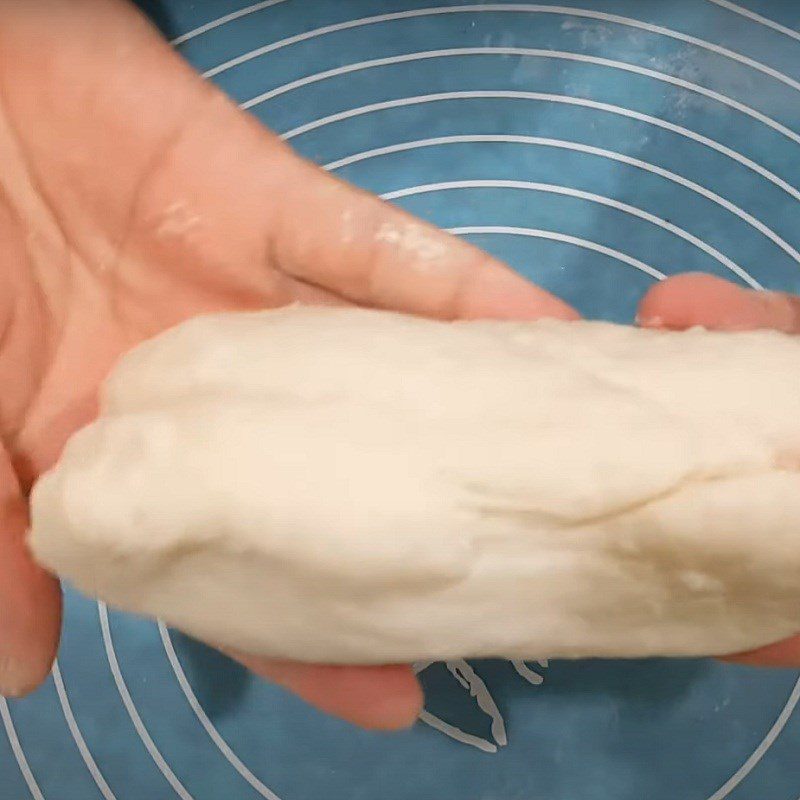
<point>30,600</point>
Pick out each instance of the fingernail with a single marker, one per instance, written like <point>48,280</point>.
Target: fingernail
<point>15,678</point>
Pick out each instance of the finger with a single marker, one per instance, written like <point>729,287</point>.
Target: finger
<point>781,654</point>
<point>379,698</point>
<point>694,299</point>
<point>375,254</point>
<point>278,214</point>
<point>30,600</point>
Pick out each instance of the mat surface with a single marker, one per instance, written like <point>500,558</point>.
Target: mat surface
<point>595,148</point>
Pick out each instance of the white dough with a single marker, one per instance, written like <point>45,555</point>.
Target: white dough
<point>362,487</point>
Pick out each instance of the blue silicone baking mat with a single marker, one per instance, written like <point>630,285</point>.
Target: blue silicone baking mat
<point>596,148</point>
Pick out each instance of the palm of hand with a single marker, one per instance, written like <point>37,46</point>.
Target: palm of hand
<point>135,196</point>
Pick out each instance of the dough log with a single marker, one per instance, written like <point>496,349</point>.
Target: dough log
<point>362,487</point>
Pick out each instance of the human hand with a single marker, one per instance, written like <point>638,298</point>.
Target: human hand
<point>689,300</point>
<point>134,195</point>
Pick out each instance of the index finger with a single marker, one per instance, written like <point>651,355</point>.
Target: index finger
<point>375,254</point>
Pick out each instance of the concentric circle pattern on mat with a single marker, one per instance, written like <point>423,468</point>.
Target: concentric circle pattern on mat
<point>596,148</point>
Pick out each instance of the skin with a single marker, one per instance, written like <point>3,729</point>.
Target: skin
<point>133,196</point>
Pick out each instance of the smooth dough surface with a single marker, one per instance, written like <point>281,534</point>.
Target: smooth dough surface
<point>353,486</point>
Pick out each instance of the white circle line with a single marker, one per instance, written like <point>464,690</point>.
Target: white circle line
<point>19,753</point>
<point>209,727</point>
<point>751,15</point>
<point>761,749</point>
<point>526,673</point>
<point>220,21</point>
<point>447,729</point>
<point>581,195</point>
<point>528,53</point>
<point>130,707</point>
<point>524,8</point>
<point>589,150</point>
<point>77,736</point>
<point>554,236</point>
<point>550,98</point>
<point>438,724</point>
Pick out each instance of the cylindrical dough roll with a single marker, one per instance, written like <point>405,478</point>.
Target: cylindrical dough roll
<point>352,486</point>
